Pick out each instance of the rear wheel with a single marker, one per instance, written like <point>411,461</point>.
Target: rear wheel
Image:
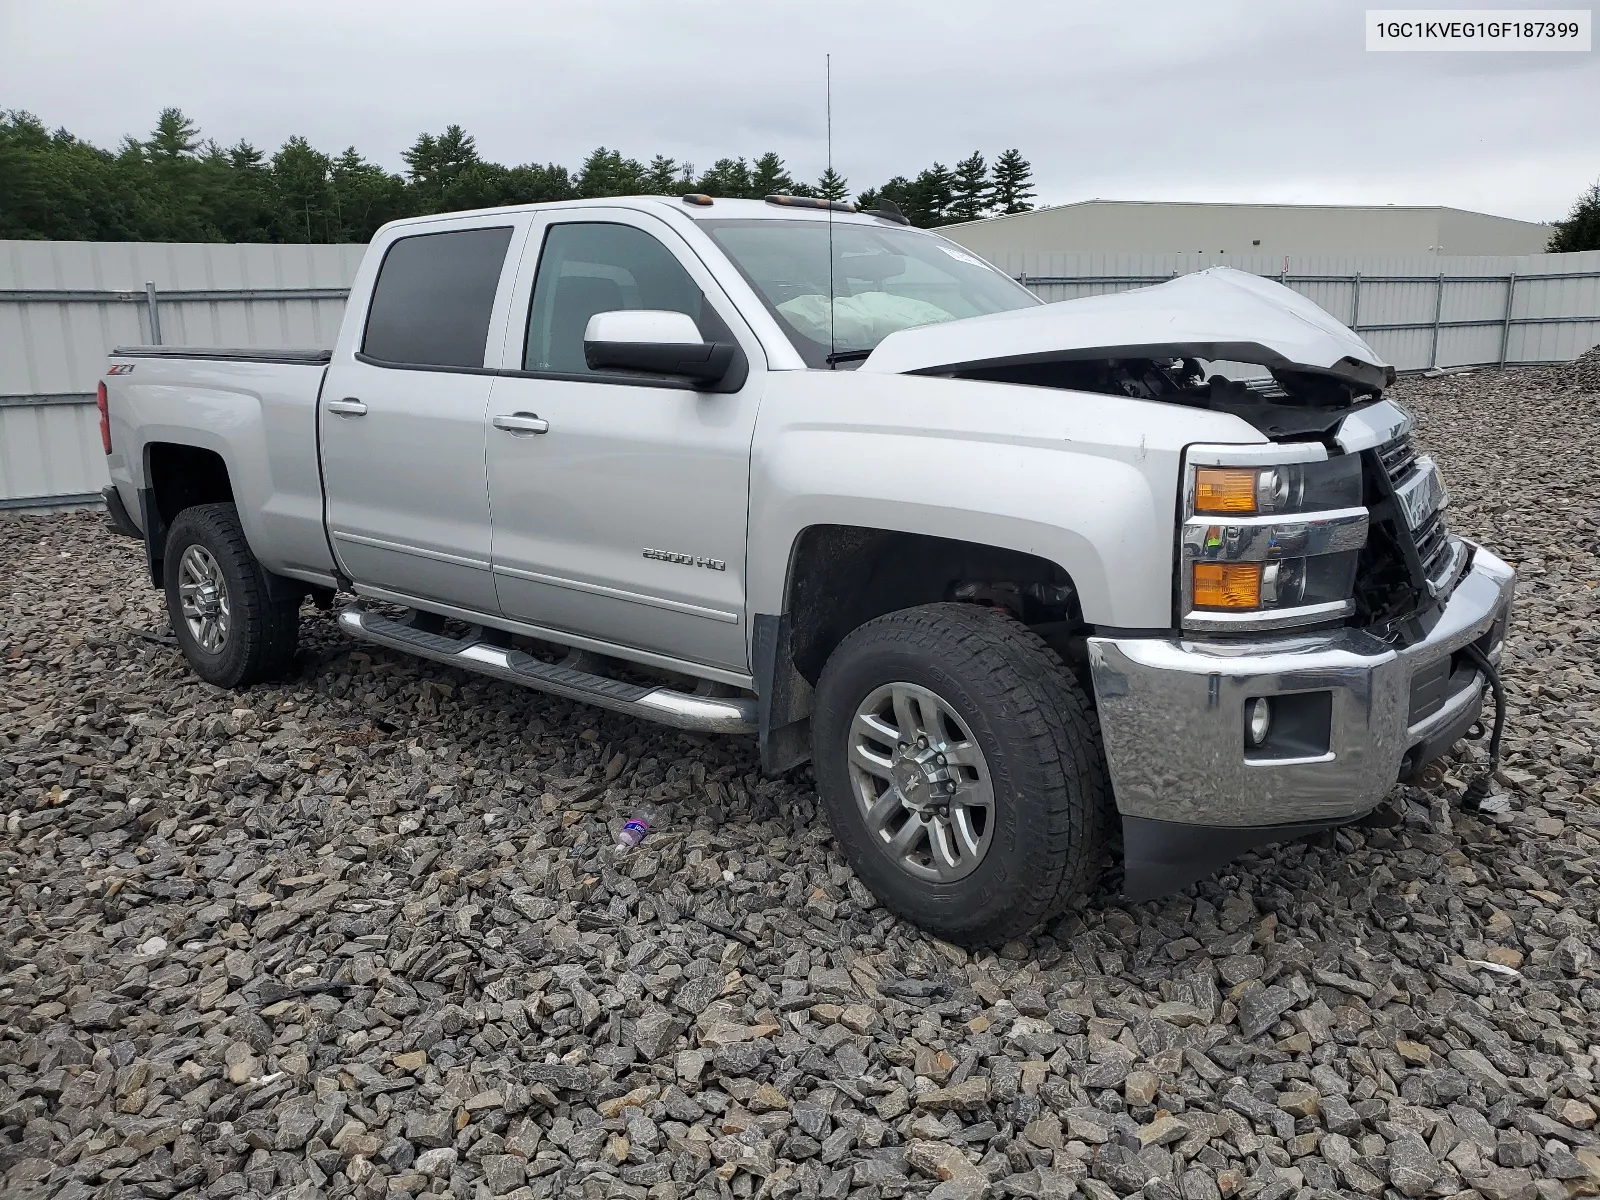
<point>959,766</point>
<point>233,625</point>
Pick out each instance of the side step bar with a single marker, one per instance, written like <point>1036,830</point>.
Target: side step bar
<point>570,679</point>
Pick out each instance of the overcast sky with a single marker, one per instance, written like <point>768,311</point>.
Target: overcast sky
<point>1150,99</point>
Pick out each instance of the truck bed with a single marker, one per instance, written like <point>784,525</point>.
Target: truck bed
<point>303,356</point>
<point>238,424</point>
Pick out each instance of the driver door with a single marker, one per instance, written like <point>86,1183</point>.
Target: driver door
<point>619,502</point>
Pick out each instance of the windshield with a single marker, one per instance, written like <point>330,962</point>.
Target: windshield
<point>884,280</point>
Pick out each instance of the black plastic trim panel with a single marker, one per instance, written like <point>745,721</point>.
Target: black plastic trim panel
<point>735,379</point>
<point>1159,857</point>
<point>121,520</point>
<point>284,356</point>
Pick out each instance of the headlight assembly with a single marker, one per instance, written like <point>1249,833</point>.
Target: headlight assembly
<point>1288,488</point>
<point>1268,544</point>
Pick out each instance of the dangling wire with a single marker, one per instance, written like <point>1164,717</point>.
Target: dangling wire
<point>1472,800</point>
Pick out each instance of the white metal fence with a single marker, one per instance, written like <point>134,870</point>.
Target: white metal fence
<point>63,305</point>
<point>1417,312</point>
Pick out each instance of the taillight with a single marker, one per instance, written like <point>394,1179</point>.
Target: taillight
<point>105,416</point>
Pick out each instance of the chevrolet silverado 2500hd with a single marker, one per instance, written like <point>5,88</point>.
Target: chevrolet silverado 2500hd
<point>1016,577</point>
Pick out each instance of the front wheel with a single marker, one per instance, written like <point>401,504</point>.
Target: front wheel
<point>231,627</point>
<point>959,767</point>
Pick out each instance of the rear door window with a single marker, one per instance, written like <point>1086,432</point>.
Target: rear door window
<point>434,295</point>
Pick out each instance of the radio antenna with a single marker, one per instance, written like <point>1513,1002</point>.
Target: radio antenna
<point>828,109</point>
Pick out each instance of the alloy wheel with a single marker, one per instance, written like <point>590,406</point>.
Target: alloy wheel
<point>921,782</point>
<point>203,594</point>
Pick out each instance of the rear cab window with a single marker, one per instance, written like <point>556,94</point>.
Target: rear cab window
<point>433,299</point>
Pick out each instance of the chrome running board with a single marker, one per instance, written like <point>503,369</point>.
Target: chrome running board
<point>574,678</point>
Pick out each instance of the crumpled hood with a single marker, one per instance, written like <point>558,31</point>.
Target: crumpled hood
<point>1219,314</point>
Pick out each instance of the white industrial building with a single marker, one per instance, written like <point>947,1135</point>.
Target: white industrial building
<point>1219,230</point>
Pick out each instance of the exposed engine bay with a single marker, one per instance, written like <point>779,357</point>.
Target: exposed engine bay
<point>1284,404</point>
<point>1164,343</point>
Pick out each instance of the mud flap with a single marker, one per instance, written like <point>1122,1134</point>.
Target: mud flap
<point>117,513</point>
<point>784,697</point>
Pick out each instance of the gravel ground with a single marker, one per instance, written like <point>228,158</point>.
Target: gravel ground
<point>358,933</point>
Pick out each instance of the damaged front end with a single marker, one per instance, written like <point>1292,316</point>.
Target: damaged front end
<point>1329,633</point>
<point>1228,341</point>
<point>1221,339</point>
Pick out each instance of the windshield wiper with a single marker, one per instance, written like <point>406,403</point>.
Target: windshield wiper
<point>839,356</point>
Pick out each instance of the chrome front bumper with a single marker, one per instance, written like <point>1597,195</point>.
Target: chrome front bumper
<point>1172,715</point>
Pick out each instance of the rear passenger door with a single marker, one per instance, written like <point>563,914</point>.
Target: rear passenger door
<point>401,419</point>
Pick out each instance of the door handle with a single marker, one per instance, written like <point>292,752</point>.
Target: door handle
<point>348,407</point>
<point>521,423</point>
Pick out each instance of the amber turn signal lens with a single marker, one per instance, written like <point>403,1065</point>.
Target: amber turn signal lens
<point>1227,585</point>
<point>1219,490</point>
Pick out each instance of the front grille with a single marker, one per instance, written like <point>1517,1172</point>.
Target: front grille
<point>1398,457</point>
<point>1401,570</point>
<point>1431,540</point>
<point>1433,548</point>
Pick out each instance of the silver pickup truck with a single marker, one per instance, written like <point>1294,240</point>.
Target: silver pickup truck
<point>1020,579</point>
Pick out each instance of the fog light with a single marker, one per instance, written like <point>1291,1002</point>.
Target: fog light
<point>1259,713</point>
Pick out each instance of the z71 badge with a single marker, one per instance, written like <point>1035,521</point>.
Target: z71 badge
<point>687,560</point>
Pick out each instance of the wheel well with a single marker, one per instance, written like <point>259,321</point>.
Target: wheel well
<point>842,576</point>
<point>178,477</point>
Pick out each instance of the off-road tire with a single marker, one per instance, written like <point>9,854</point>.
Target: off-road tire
<point>264,618</point>
<point>1035,728</point>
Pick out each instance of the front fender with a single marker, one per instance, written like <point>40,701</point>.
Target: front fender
<point>1088,482</point>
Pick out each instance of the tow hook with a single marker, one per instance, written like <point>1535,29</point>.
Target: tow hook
<point>1431,777</point>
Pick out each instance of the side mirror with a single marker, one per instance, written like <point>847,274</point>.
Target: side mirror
<point>655,341</point>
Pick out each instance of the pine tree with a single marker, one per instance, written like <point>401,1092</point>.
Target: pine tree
<point>728,178</point>
<point>661,176</point>
<point>607,173</point>
<point>300,180</point>
<point>934,190</point>
<point>457,151</point>
<point>175,136</point>
<point>1581,229</point>
<point>364,196</point>
<point>833,186</point>
<point>1013,187</point>
<point>535,183</point>
<point>436,163</point>
<point>924,201</point>
<point>242,156</point>
<point>239,194</point>
<point>770,178</point>
<point>173,186</point>
<point>973,192</point>
<point>899,192</point>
